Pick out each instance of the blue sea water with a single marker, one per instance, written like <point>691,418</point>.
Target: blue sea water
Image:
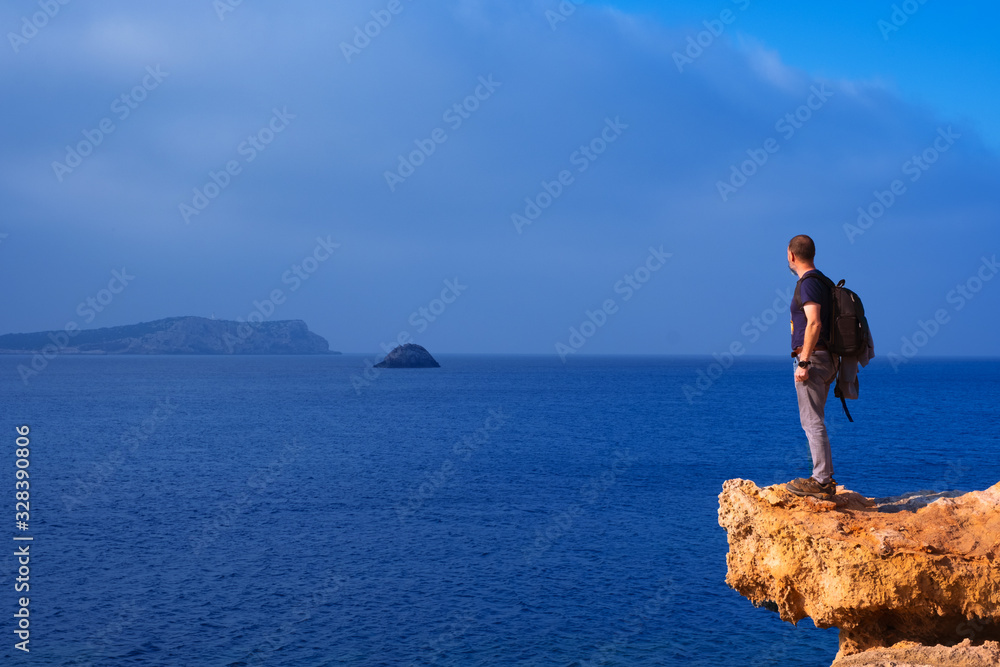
<point>496,511</point>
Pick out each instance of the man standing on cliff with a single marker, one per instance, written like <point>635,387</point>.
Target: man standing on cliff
<point>811,313</point>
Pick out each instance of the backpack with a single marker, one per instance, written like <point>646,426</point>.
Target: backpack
<point>849,339</point>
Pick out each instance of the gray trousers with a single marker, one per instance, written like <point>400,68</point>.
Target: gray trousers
<point>812,405</point>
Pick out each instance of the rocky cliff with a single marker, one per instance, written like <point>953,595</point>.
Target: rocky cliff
<point>174,335</point>
<point>906,579</point>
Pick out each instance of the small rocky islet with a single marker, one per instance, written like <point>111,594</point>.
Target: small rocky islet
<point>409,355</point>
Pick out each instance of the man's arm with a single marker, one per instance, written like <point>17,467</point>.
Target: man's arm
<point>813,327</point>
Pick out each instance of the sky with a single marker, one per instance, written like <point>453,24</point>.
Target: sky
<point>520,177</point>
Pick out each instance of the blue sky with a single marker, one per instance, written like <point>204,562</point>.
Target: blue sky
<point>297,127</point>
<point>942,56</point>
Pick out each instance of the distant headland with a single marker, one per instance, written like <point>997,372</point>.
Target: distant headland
<point>175,335</point>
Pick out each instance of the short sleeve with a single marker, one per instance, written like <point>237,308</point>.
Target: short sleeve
<point>813,290</point>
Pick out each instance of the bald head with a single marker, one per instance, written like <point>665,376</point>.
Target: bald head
<point>803,248</point>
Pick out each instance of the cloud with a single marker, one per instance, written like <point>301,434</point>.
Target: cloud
<point>558,89</point>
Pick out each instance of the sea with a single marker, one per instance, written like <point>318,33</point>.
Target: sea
<point>500,510</point>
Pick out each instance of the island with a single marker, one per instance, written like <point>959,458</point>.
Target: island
<point>174,335</point>
<point>408,356</point>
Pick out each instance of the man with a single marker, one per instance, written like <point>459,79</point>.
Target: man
<point>811,311</point>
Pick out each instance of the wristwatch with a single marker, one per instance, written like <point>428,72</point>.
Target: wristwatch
<point>804,364</point>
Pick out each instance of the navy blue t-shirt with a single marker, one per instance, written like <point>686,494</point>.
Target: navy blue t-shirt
<point>815,290</point>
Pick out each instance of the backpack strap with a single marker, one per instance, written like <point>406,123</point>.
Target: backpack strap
<point>839,394</point>
<point>836,387</point>
<point>836,370</point>
<point>822,277</point>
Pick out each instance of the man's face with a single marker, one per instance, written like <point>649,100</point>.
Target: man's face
<point>791,262</point>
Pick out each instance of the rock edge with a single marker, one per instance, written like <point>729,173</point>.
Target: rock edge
<point>922,567</point>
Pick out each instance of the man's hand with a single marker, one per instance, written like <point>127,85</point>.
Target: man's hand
<point>801,374</point>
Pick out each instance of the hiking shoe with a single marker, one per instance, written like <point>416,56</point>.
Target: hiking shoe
<point>808,486</point>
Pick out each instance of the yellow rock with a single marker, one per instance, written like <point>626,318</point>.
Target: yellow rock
<point>921,568</point>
